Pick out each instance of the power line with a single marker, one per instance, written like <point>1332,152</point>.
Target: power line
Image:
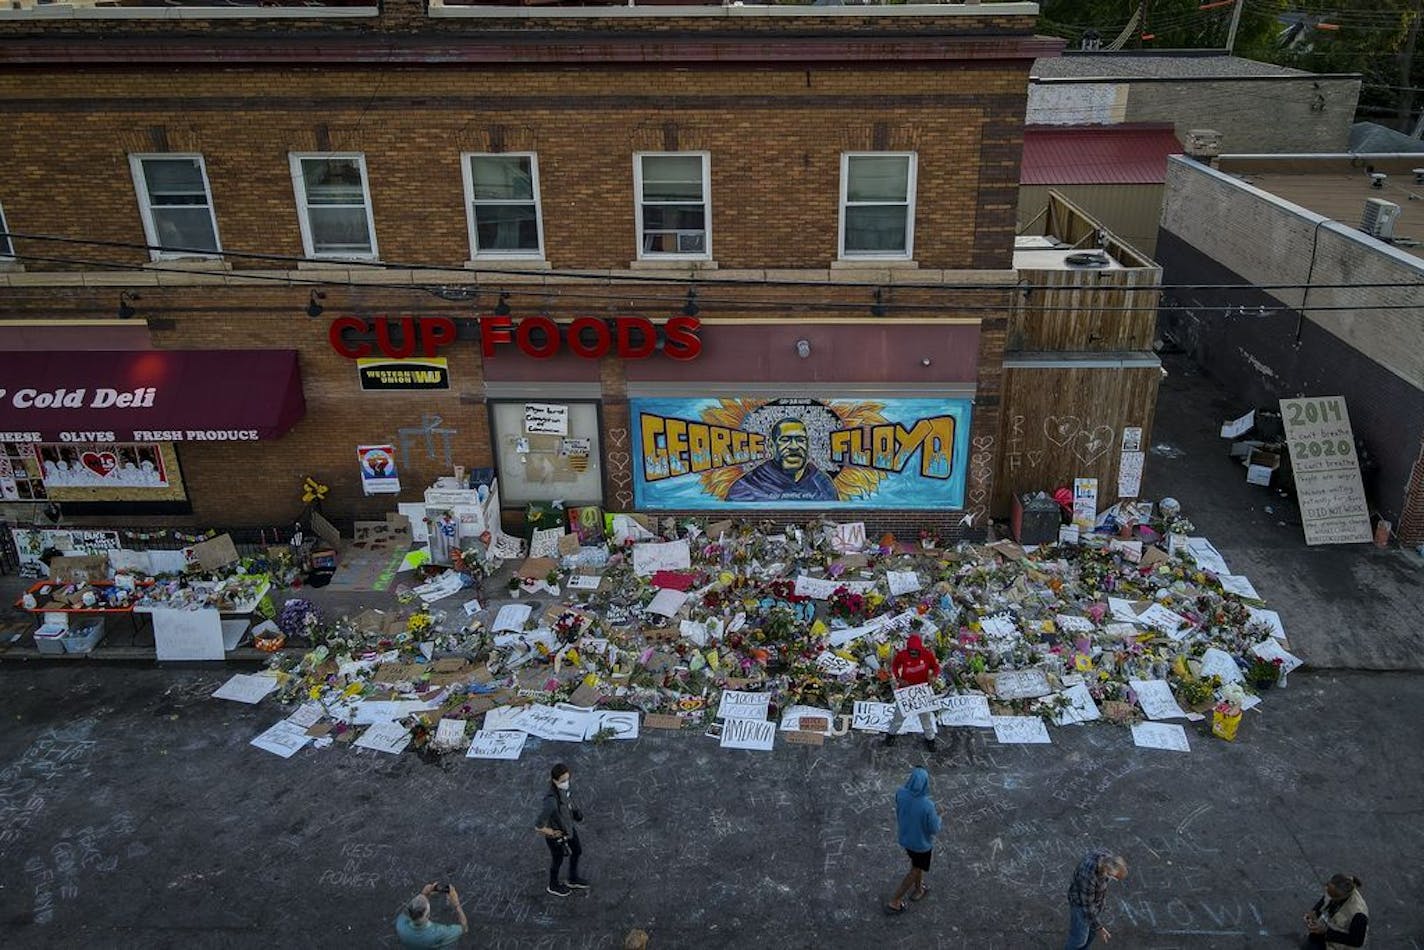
<point>604,278</point>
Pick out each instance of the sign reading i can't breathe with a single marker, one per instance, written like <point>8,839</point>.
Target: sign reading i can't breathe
<point>1328,488</point>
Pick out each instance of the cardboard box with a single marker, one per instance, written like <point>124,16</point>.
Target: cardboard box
<point>80,569</point>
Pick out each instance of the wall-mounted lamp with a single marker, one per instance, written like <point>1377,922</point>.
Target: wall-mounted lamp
<point>690,309</point>
<point>126,300</point>
<point>502,309</point>
<point>803,348</point>
<point>314,307</point>
<point>878,309</point>
<point>926,361</point>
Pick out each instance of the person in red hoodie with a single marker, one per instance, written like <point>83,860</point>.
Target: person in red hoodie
<point>911,666</point>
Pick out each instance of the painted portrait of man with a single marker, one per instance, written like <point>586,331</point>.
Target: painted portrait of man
<point>789,475</point>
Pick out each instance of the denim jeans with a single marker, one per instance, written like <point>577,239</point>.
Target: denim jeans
<point>1080,931</point>
<point>556,857</point>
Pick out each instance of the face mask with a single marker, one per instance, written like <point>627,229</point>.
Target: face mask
<point>562,786</point>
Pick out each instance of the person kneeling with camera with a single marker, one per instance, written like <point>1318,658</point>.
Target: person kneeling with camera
<point>414,928</point>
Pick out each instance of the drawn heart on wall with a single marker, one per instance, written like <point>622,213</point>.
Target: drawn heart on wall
<point>977,496</point>
<point>983,442</point>
<point>100,463</point>
<point>625,499</point>
<point>1061,429</point>
<point>1035,456</point>
<point>618,437</point>
<point>1091,446</point>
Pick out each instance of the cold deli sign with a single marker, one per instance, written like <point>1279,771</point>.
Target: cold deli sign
<point>394,342</point>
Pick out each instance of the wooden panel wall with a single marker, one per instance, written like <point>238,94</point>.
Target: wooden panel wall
<point>1064,423</point>
<point>1086,310</point>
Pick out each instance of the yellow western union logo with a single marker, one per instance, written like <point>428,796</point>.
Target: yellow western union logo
<point>387,374</point>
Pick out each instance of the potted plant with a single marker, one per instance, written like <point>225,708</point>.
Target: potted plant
<point>1264,673</point>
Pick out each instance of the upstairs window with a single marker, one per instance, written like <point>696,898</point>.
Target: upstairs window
<point>674,205</point>
<point>502,194</point>
<point>7,246</point>
<point>877,204</point>
<point>334,205</point>
<point>176,205</point>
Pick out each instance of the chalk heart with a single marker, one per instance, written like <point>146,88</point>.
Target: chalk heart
<point>1061,429</point>
<point>1091,446</point>
<point>977,495</point>
<point>625,498</point>
<point>983,442</point>
<point>100,463</point>
<point>619,438</point>
<point>1035,456</point>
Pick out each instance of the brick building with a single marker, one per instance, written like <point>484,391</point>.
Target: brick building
<point>819,201</point>
<point>1337,312</point>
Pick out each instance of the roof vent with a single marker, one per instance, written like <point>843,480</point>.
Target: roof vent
<point>1088,259</point>
<point>1379,217</point>
<point>1377,179</point>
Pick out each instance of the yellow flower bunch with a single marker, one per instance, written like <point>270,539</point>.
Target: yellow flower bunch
<point>419,622</point>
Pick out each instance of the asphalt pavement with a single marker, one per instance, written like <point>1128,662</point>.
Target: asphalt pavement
<point>133,812</point>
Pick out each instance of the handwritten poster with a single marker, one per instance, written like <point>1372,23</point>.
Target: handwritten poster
<point>1160,735</point>
<point>966,710</point>
<point>736,704</point>
<point>652,557</point>
<point>284,739</point>
<point>1321,443</point>
<point>1129,474</point>
<point>502,744</point>
<point>1010,730</point>
<point>902,582</point>
<point>1156,699</point>
<point>1219,663</point>
<point>1270,649</point>
<point>541,418</point>
<point>1080,708</point>
<point>1021,684</point>
<point>246,688</point>
<point>834,665</point>
<point>872,717</point>
<point>916,699</point>
<point>389,737</point>
<point>751,734</point>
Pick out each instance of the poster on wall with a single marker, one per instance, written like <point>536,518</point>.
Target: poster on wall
<point>31,543</point>
<point>800,452</point>
<point>378,469</point>
<point>541,418</point>
<point>1085,504</point>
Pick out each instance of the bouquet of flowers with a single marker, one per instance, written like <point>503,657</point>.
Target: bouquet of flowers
<point>846,605</point>
<point>298,618</point>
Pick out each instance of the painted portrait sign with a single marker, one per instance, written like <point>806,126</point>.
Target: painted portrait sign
<point>800,453</point>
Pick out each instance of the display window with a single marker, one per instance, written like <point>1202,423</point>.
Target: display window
<point>547,450</point>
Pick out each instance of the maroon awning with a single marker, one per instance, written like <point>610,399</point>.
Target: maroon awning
<point>149,395</point>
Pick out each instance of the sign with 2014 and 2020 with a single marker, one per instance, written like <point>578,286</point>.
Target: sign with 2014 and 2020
<point>1328,488</point>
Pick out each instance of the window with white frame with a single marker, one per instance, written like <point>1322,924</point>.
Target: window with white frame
<point>502,197</point>
<point>7,247</point>
<point>877,204</point>
<point>334,205</point>
<point>674,204</point>
<point>176,205</point>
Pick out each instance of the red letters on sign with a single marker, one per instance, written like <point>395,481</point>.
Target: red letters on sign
<point>631,338</point>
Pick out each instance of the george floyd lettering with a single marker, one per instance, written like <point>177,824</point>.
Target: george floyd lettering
<point>539,337</point>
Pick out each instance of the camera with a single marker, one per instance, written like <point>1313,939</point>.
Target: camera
<point>442,888</point>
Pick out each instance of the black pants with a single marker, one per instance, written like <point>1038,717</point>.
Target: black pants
<point>556,857</point>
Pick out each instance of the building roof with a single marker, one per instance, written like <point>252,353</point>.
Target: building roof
<point>1372,137</point>
<point>1337,187</point>
<point>1131,154</point>
<point>1085,66</point>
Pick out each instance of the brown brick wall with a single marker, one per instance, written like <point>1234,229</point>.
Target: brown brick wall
<point>775,135</point>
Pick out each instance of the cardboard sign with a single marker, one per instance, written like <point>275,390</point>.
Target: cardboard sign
<point>81,569</point>
<point>662,721</point>
<point>213,554</point>
<point>1321,443</point>
<point>804,738</point>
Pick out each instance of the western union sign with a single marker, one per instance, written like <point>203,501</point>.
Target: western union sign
<point>386,375</point>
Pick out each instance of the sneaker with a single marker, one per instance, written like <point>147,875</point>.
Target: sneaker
<point>559,890</point>
<point>889,738</point>
<point>930,744</point>
<point>580,883</point>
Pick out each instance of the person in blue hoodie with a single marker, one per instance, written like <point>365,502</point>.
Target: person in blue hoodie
<point>918,819</point>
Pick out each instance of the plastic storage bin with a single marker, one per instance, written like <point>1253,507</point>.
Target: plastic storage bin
<point>82,639</point>
<point>50,638</point>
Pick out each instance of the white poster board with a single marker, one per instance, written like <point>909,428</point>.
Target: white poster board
<point>542,418</point>
<point>1321,443</point>
<point>754,734</point>
<point>187,634</point>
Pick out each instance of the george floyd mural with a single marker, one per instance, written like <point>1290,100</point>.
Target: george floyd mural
<point>800,453</point>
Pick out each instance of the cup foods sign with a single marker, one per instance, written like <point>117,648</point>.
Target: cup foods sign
<point>629,338</point>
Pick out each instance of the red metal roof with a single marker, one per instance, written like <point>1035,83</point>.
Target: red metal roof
<point>1129,154</point>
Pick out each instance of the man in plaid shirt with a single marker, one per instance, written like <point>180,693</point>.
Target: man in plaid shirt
<point>1088,893</point>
